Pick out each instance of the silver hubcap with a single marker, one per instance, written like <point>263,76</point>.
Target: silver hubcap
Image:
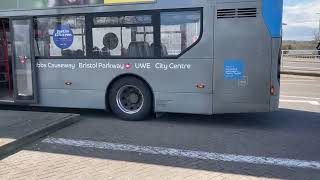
<point>130,99</point>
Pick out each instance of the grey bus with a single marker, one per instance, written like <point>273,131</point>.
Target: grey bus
<point>138,57</point>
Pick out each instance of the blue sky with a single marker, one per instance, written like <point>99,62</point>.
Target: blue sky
<point>302,20</point>
<point>293,2</point>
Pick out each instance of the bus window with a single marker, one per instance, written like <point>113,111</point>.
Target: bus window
<point>123,36</point>
<point>60,37</point>
<point>179,31</point>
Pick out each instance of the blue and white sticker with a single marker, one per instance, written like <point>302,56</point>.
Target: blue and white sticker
<point>63,36</point>
<point>233,69</point>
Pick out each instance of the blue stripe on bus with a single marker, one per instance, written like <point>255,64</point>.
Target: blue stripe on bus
<point>272,14</point>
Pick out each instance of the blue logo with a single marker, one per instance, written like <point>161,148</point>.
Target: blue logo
<point>233,70</point>
<point>63,36</point>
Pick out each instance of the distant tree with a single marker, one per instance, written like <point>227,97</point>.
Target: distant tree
<point>287,47</point>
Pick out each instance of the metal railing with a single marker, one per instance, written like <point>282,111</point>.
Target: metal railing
<point>300,60</point>
<point>301,54</point>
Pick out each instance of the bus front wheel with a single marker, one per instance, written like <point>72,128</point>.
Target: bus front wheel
<point>130,99</point>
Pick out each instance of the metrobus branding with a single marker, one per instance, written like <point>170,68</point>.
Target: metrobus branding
<point>56,66</point>
<point>233,69</point>
<point>172,66</point>
<point>101,66</point>
<point>63,36</point>
<point>120,66</point>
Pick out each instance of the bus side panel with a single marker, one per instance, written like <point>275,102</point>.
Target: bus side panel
<point>173,81</point>
<point>243,43</point>
<point>275,73</point>
<point>200,101</point>
<point>72,98</point>
<point>192,103</point>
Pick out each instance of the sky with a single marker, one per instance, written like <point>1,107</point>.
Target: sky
<point>301,18</point>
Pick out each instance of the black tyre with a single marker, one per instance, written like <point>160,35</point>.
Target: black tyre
<point>130,99</point>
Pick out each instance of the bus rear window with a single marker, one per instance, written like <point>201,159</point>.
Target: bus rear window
<point>179,31</point>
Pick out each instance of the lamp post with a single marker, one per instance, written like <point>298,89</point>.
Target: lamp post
<point>282,50</point>
<point>318,36</point>
<point>319,21</point>
<point>283,24</point>
<point>319,26</point>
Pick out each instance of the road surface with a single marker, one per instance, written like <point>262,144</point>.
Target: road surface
<point>294,64</point>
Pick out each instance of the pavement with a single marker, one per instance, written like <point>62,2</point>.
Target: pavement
<point>279,145</point>
<point>18,128</point>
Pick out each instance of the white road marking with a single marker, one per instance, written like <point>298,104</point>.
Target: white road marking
<point>300,97</point>
<point>315,103</point>
<point>298,80</point>
<point>186,153</point>
<point>306,68</point>
<point>300,84</point>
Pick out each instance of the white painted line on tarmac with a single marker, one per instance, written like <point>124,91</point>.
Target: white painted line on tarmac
<point>298,80</point>
<point>300,97</point>
<point>186,153</point>
<point>315,103</point>
<point>301,84</point>
<point>306,68</point>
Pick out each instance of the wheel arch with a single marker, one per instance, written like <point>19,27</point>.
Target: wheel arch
<point>115,79</point>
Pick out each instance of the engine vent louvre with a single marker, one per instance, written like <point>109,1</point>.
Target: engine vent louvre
<point>226,13</point>
<point>236,13</point>
<point>247,12</point>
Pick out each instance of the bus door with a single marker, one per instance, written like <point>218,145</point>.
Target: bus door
<point>24,71</point>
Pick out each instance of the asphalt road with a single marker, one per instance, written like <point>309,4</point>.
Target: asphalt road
<point>301,88</point>
<point>312,65</point>
<point>280,145</point>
